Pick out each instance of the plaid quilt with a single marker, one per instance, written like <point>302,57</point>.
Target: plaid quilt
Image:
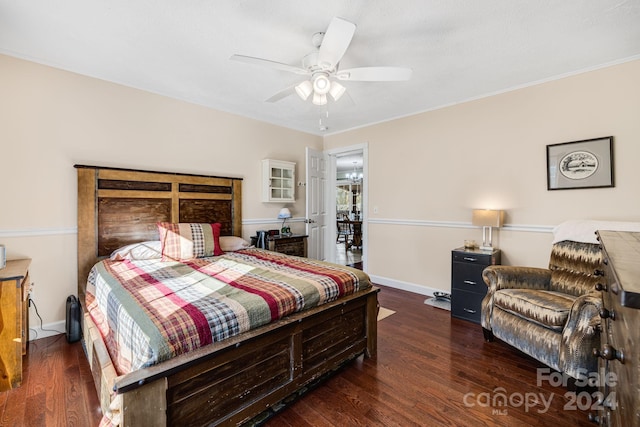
<point>149,311</point>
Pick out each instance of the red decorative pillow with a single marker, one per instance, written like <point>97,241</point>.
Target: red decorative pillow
<point>184,241</point>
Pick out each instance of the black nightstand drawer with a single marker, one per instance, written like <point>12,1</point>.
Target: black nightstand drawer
<point>473,257</point>
<point>468,277</point>
<point>466,305</point>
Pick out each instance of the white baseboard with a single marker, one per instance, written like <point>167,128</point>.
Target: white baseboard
<point>405,286</point>
<point>48,330</point>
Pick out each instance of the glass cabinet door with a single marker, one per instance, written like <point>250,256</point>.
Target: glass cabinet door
<point>278,181</point>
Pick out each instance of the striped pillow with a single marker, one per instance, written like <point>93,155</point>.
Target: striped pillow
<point>184,241</point>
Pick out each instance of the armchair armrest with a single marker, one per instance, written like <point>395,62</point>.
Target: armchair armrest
<point>510,277</point>
<point>581,335</point>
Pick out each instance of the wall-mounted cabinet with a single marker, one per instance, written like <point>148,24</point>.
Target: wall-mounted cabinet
<point>278,178</point>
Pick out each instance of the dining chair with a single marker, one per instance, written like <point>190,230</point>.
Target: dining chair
<point>345,231</point>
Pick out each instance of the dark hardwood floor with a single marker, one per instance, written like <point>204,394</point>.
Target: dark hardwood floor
<point>431,370</point>
<point>57,388</point>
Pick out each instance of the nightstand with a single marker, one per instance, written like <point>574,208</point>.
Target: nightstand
<point>467,286</point>
<point>14,310</point>
<point>295,244</point>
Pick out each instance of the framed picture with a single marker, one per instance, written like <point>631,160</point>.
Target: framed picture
<point>580,164</point>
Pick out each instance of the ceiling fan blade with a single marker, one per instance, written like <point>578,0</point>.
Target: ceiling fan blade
<point>282,94</point>
<point>335,42</point>
<point>268,63</point>
<point>375,74</point>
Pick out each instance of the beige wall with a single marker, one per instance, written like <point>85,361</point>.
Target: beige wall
<point>431,169</point>
<point>426,172</point>
<point>52,119</point>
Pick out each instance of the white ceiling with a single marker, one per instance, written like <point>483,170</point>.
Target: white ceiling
<point>458,49</point>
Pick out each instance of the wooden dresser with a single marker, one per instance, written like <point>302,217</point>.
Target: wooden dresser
<point>619,367</point>
<point>14,311</point>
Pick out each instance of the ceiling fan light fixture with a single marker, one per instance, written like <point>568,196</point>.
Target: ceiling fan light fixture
<point>321,84</point>
<point>304,89</point>
<point>321,67</point>
<point>336,90</point>
<point>319,98</point>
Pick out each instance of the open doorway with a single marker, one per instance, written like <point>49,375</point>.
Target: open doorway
<point>349,208</point>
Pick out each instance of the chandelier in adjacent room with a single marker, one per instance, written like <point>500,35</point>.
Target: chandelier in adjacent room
<point>355,177</point>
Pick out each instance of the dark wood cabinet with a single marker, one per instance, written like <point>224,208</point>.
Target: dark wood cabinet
<point>467,287</point>
<point>296,244</point>
<point>619,360</point>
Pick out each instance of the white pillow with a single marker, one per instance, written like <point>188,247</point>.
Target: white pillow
<point>138,251</point>
<point>233,243</point>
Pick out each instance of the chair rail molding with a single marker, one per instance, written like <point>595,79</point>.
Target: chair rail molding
<point>458,224</point>
<point>258,221</point>
<point>37,231</point>
<point>49,231</point>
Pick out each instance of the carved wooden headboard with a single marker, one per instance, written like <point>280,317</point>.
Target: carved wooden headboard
<point>117,207</point>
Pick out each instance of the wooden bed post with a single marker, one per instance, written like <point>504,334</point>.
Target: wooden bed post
<point>146,406</point>
<point>237,208</point>
<point>86,227</point>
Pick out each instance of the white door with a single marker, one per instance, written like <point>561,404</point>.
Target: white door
<point>316,217</point>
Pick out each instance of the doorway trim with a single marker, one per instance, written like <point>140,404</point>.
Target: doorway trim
<point>330,248</point>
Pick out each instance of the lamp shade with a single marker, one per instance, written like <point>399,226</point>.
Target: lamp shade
<point>304,89</point>
<point>336,90</point>
<point>487,217</point>
<point>284,213</point>
<point>319,99</point>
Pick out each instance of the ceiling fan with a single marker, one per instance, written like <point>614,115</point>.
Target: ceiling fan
<point>322,66</point>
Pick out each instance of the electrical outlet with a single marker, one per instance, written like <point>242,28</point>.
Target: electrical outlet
<point>375,209</point>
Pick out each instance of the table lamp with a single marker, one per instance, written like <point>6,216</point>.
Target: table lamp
<point>283,215</point>
<point>487,219</point>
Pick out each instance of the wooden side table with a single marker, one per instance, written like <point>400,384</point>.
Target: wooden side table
<point>14,313</point>
<point>295,244</point>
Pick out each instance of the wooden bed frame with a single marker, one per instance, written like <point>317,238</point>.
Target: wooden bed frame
<point>228,382</point>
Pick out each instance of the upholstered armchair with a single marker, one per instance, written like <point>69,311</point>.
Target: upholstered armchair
<point>550,314</point>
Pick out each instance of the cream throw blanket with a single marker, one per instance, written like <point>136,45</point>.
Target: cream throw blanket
<point>585,230</point>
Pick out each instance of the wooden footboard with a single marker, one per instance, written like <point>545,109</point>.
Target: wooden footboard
<point>229,382</point>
